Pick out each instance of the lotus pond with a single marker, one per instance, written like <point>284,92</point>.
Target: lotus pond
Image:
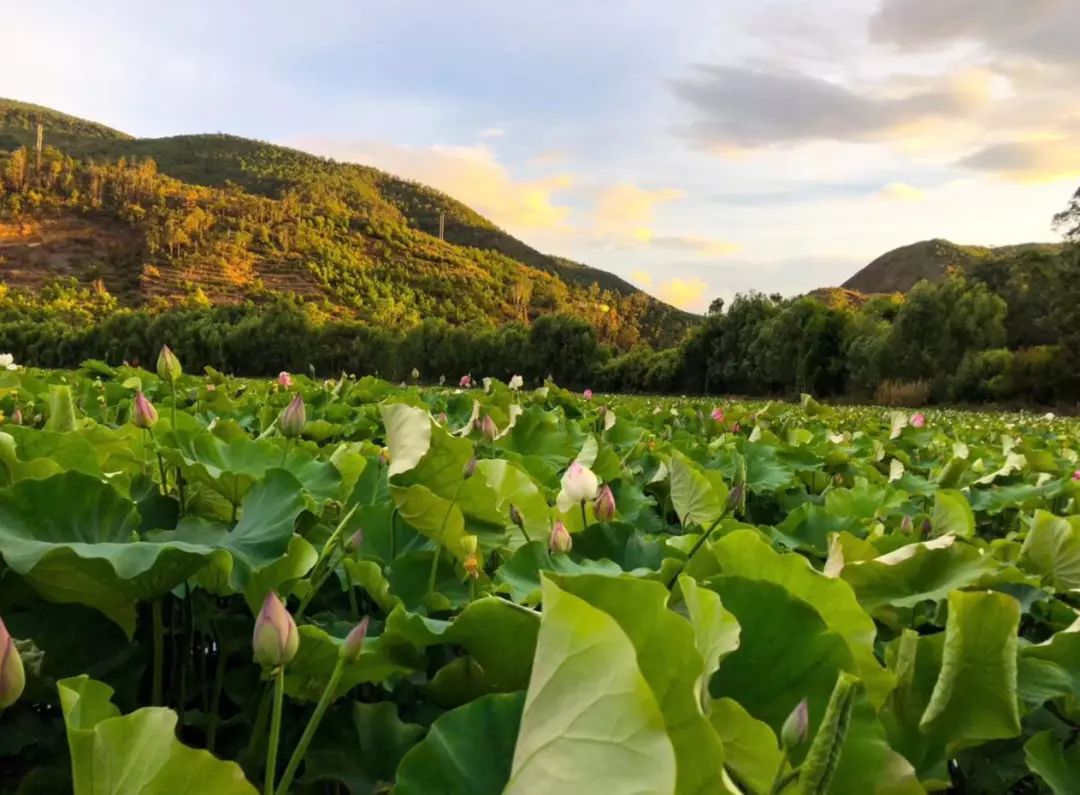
<point>217,585</point>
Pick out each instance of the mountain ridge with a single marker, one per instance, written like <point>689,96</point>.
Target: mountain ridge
<point>371,225</point>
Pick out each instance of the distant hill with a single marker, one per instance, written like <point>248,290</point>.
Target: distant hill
<point>218,218</point>
<point>901,269</point>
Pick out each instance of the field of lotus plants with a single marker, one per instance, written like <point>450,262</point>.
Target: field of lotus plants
<point>222,586</point>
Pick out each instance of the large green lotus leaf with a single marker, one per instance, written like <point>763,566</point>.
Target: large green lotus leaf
<point>437,464</point>
<point>263,535</point>
<point>499,635</point>
<point>280,575</point>
<point>39,454</point>
<point>545,436</point>
<point>468,751</point>
<point>119,755</point>
<point>620,542</point>
<point>668,658</point>
<point>438,518</point>
<point>742,553</point>
<point>73,538</point>
<point>974,697</point>
<point>512,486</point>
<point>952,514</point>
<point>867,763</point>
<point>361,746</point>
<point>716,631</point>
<point>61,409</point>
<point>751,750</point>
<point>865,501</point>
<point>924,571</point>
<point>229,467</point>
<point>786,651</point>
<point>1052,549</point>
<point>408,435</point>
<point>309,672</point>
<point>1058,660</point>
<point>591,723</point>
<point>521,575</point>
<point>698,495</point>
<point>369,575</point>
<point>1055,763</point>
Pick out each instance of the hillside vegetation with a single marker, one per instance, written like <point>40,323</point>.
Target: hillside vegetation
<point>215,219</point>
<point>899,270</point>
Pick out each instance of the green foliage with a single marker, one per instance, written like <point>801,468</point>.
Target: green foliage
<point>914,585</point>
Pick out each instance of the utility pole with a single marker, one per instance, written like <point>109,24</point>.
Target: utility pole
<point>442,225</point>
<point>40,137</point>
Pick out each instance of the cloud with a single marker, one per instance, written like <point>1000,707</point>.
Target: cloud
<point>689,293</point>
<point>492,132</point>
<point>642,277</point>
<point>738,106</point>
<point>901,191</point>
<point>700,246</point>
<point>625,212</point>
<point>1039,28</point>
<point>470,174</point>
<point>1028,161</point>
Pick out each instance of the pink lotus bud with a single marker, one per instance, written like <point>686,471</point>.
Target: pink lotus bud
<point>143,414</point>
<point>443,419</point>
<point>17,418</point>
<point>168,366</point>
<point>918,419</point>
<point>796,727</point>
<point>907,525</point>
<point>580,483</point>
<point>1075,475</point>
<point>559,542</point>
<point>293,418</point>
<point>717,414</point>
<point>604,506</point>
<point>488,428</point>
<point>355,540</point>
<point>587,394</point>
<point>465,382</point>
<point>275,639</point>
<point>516,517</point>
<point>210,388</point>
<point>469,469</point>
<point>354,642</point>
<point>736,427</point>
<point>284,379</point>
<point>12,675</point>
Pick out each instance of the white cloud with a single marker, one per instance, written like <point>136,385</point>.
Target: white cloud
<point>901,191</point>
<point>625,212</point>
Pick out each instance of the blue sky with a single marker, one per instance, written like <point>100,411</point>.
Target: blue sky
<point>698,148</point>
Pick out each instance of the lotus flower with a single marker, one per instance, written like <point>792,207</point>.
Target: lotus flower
<point>918,419</point>
<point>168,366</point>
<point>12,675</point>
<point>466,381</point>
<point>143,414</point>
<point>796,727</point>
<point>275,639</point>
<point>587,394</point>
<point>7,361</point>
<point>1075,475</point>
<point>717,414</point>
<point>354,642</point>
<point>579,483</point>
<point>559,542</point>
<point>516,382</point>
<point>284,380</point>
<point>604,506</point>
<point>415,374</point>
<point>210,387</point>
<point>488,428</point>
<point>293,418</point>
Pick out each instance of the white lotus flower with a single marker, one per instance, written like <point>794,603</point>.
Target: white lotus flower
<point>516,382</point>
<point>579,483</point>
<point>7,361</point>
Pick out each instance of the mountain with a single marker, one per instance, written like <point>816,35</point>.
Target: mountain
<point>162,222</point>
<point>901,269</point>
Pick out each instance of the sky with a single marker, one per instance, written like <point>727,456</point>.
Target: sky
<point>698,148</point>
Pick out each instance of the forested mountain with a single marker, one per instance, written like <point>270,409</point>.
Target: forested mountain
<point>899,270</point>
<point>202,220</point>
